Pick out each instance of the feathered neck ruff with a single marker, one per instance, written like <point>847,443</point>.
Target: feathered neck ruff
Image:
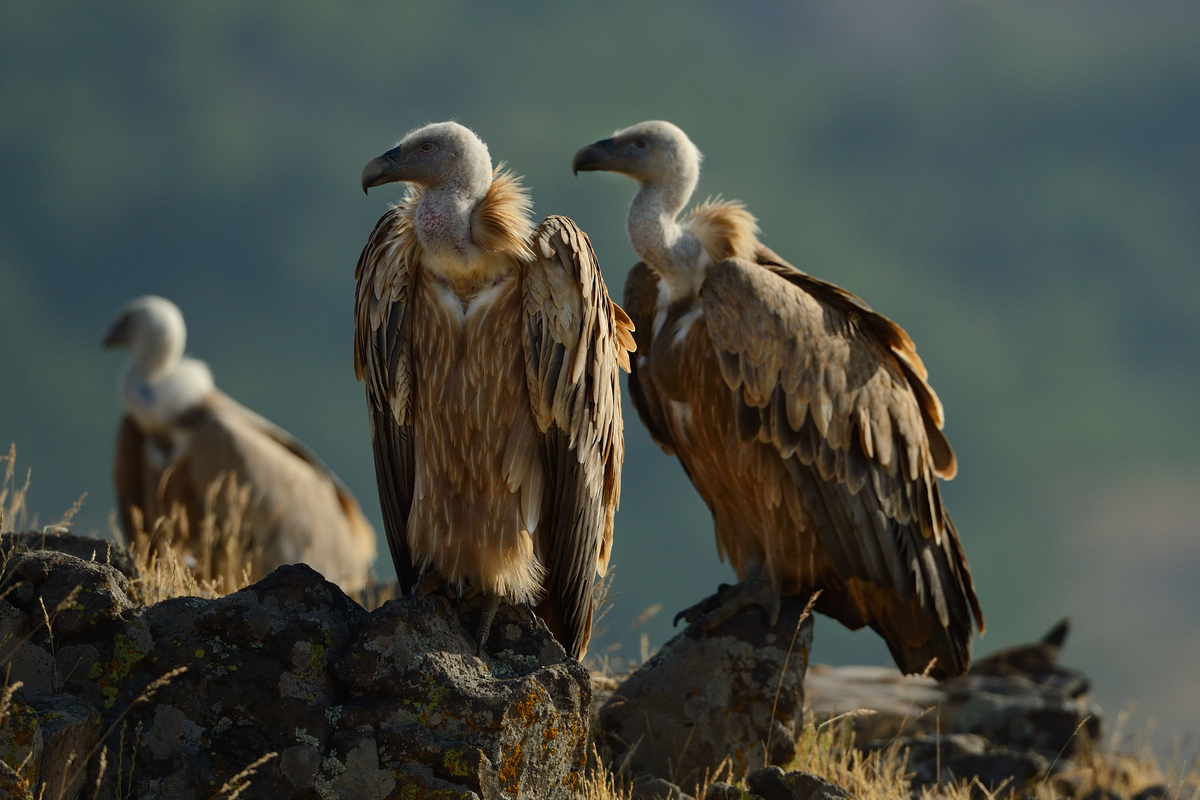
<point>499,224</point>
<point>724,228</point>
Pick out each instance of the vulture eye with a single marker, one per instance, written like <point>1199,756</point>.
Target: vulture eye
<point>639,144</point>
<point>427,147</point>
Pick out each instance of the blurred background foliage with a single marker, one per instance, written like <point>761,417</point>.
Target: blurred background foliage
<point>1017,183</point>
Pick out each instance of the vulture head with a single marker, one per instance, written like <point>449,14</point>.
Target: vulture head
<point>153,331</point>
<point>649,152</point>
<point>440,154</point>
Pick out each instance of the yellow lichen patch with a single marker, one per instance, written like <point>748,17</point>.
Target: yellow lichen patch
<point>453,761</point>
<point>510,766</point>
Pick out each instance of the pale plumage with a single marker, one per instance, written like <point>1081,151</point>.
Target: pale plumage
<point>181,436</point>
<point>802,417</point>
<point>490,352</point>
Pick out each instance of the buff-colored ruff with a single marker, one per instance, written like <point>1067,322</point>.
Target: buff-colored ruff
<point>724,228</point>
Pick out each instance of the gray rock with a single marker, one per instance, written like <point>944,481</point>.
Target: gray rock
<point>997,767</point>
<point>520,710</point>
<point>12,785</point>
<point>80,597</point>
<point>388,705</point>
<point>1005,722</point>
<point>33,667</point>
<point>726,791</point>
<point>673,716</point>
<point>21,741</point>
<point>13,627</point>
<point>86,548</point>
<point>965,756</point>
<point>70,727</point>
<point>1020,714</point>
<point>648,788</point>
<point>772,783</point>
<point>419,781</point>
<point>48,737</point>
<point>259,679</point>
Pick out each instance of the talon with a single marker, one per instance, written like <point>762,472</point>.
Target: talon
<point>486,615</point>
<point>756,591</point>
<point>693,612</point>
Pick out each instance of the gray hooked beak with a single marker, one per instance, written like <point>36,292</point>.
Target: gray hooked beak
<point>118,335</point>
<point>593,156</point>
<point>385,169</point>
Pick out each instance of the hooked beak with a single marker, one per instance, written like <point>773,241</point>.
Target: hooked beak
<point>388,168</point>
<point>118,335</point>
<point>593,157</point>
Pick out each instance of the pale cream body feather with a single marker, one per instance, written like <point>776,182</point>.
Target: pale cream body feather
<point>471,519</point>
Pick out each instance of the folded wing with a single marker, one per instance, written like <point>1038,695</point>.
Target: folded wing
<point>575,339</point>
<point>839,392</point>
<point>383,360</point>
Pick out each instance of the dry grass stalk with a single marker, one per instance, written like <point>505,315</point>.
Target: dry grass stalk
<point>13,511</point>
<point>808,607</point>
<point>239,783</point>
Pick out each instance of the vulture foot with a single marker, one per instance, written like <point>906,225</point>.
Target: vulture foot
<point>693,613</point>
<point>431,582</point>
<point>730,600</point>
<point>486,615</point>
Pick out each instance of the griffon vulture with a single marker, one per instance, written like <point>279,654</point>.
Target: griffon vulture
<point>802,417</point>
<point>181,434</point>
<point>490,352</point>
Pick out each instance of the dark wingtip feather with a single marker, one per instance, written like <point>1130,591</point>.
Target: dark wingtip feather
<point>1058,634</point>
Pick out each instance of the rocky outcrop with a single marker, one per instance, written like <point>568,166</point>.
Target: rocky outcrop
<point>1007,721</point>
<point>389,704</point>
<point>86,548</point>
<point>711,695</point>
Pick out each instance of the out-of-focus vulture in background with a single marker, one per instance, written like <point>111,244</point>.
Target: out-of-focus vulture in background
<point>183,440</point>
<point>490,351</point>
<point>802,417</point>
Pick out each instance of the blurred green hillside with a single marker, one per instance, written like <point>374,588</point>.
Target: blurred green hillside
<point>1016,183</point>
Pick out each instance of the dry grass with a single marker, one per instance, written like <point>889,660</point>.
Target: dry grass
<point>375,595</point>
<point>13,512</point>
<point>828,752</point>
<point>826,749</point>
<point>217,560</point>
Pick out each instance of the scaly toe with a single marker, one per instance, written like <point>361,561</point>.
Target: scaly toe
<point>486,615</point>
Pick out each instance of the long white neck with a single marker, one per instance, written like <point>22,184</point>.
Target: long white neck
<point>656,235</point>
<point>159,353</point>
<point>443,216</point>
<point>157,401</point>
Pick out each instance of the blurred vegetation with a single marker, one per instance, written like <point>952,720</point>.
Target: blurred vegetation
<point>1017,183</point>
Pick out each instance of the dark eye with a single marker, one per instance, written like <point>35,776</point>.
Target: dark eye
<point>639,143</point>
<point>427,147</point>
